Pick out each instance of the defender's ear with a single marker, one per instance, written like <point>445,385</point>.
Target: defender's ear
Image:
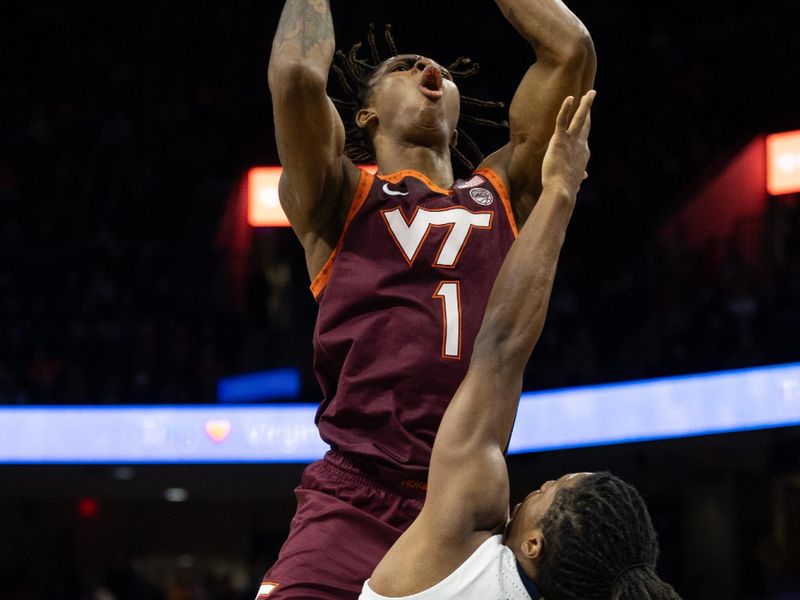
<point>533,545</point>
<point>365,117</point>
<point>454,137</point>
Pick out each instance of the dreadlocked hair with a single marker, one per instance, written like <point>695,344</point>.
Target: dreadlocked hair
<point>600,543</point>
<point>353,74</point>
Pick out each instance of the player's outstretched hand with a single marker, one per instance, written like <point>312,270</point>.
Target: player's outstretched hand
<point>568,153</point>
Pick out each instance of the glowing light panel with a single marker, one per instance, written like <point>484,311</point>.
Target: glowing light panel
<point>263,207</point>
<point>783,163</point>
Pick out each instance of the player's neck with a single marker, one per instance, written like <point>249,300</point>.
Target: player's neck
<point>432,162</point>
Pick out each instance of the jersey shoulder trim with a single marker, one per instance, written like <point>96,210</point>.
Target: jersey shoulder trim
<point>498,184</point>
<point>360,195</point>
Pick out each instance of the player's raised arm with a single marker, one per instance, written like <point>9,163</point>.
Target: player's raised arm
<point>477,424</point>
<point>317,179</point>
<point>468,491</point>
<point>565,66</point>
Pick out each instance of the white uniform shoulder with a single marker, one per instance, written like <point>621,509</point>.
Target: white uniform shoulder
<point>490,573</point>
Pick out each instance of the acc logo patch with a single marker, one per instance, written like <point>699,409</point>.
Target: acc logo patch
<point>481,196</point>
<point>267,587</point>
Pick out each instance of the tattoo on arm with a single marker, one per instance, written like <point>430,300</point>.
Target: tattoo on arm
<point>306,27</point>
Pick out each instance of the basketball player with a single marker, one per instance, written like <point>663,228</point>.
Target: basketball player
<point>586,535</point>
<point>401,262</point>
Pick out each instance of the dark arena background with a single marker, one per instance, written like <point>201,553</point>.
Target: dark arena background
<point>129,277</point>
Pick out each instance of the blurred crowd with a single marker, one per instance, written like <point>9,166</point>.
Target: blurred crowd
<point>126,131</point>
<point>671,310</point>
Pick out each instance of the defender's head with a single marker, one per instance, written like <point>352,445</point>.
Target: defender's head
<point>410,99</point>
<point>587,535</point>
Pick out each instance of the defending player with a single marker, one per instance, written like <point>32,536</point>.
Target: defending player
<point>587,535</point>
<point>401,263</point>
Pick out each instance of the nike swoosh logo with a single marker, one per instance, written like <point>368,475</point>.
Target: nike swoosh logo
<point>386,190</point>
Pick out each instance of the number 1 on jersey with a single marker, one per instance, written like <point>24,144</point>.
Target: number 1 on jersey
<point>450,294</point>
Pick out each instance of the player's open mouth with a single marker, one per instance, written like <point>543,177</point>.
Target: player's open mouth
<point>431,84</point>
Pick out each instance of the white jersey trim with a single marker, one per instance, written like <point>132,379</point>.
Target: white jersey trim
<point>490,573</point>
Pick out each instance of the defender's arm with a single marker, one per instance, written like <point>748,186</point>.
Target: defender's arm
<point>565,65</point>
<point>468,490</point>
<point>317,179</point>
<point>477,424</point>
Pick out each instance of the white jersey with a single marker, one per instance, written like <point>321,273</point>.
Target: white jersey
<point>490,573</point>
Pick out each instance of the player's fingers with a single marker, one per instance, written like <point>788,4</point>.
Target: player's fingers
<point>583,110</point>
<point>562,120</point>
<point>578,120</point>
<point>587,125</point>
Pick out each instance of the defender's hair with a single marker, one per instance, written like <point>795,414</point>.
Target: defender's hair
<point>600,543</point>
<point>354,74</point>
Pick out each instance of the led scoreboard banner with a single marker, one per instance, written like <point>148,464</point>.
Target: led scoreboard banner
<point>636,411</point>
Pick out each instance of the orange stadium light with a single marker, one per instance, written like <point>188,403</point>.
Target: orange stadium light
<point>783,163</point>
<point>263,207</point>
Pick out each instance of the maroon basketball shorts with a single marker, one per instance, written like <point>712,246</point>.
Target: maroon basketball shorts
<point>344,524</point>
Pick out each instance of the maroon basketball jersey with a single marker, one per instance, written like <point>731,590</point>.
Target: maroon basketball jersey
<point>401,300</point>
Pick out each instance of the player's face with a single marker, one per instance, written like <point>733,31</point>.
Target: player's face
<point>414,99</point>
<point>527,515</point>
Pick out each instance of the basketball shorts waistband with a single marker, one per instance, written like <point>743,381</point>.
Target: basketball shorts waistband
<point>354,469</point>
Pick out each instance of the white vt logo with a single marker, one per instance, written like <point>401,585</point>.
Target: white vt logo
<point>411,235</point>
